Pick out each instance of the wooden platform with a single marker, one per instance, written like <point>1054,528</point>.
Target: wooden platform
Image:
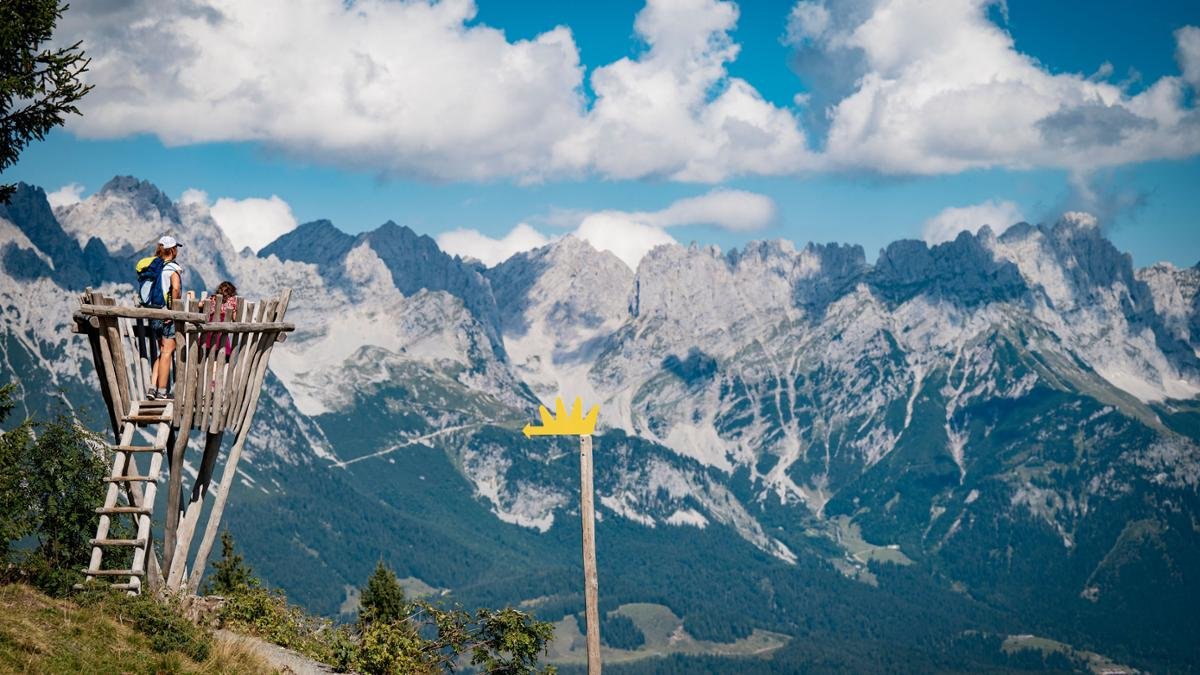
<point>221,356</point>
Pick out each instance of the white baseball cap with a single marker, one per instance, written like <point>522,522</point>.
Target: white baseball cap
<point>168,242</point>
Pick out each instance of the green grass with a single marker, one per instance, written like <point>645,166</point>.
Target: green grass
<point>849,537</point>
<point>39,634</point>
<point>1097,663</point>
<point>664,634</point>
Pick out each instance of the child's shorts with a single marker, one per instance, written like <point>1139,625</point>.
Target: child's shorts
<point>162,328</point>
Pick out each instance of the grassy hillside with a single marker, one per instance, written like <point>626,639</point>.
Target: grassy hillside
<point>39,634</point>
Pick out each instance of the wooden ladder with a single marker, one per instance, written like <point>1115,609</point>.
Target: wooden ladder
<point>139,501</point>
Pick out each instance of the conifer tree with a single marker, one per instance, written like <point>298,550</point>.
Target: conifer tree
<point>231,573</point>
<point>382,599</point>
<point>39,86</point>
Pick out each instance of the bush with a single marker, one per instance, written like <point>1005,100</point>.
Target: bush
<point>163,621</point>
<point>425,639</point>
<point>268,615</point>
<point>392,648</point>
<point>49,489</point>
<point>402,637</point>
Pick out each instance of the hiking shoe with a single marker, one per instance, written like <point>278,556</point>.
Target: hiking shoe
<point>151,394</point>
<point>165,395</point>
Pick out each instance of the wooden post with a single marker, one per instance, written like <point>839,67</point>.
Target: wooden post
<point>591,586</point>
<point>184,400</point>
<point>229,475</point>
<point>93,336</point>
<point>191,514</point>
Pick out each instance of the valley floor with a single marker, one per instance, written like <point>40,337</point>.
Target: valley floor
<point>664,635</point>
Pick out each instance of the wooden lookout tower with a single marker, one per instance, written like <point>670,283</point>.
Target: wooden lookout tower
<point>220,362</point>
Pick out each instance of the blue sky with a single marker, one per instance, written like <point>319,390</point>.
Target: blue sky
<point>867,193</point>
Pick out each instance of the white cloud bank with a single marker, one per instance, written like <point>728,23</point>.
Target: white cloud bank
<point>934,86</point>
<point>1187,54</point>
<point>420,89</point>
<point>253,222</point>
<point>946,225</point>
<point>733,210</point>
<point>71,193</point>
<point>416,88</point>
<point>490,251</point>
<point>627,234</point>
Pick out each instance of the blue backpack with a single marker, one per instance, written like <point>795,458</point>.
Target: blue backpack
<point>150,290</point>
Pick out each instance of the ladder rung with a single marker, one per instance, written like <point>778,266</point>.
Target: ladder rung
<point>123,509</point>
<point>137,448</point>
<point>146,419</point>
<point>118,542</point>
<point>113,587</point>
<point>114,573</point>
<point>126,479</point>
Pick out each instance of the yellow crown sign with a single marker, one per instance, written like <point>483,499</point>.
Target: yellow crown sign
<point>562,424</point>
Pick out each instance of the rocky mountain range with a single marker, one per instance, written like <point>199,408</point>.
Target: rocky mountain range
<point>1000,433</point>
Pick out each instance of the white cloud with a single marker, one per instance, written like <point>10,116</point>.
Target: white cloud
<point>490,251</point>
<point>71,193</point>
<point>946,225</point>
<point>806,21</point>
<point>734,210</point>
<point>252,222</point>
<point>627,234</point>
<point>193,196</point>
<point>675,111</point>
<point>1187,53</point>
<point>934,86</point>
<point>1080,218</point>
<point>398,87</point>
<point>420,88</point>
<point>623,234</point>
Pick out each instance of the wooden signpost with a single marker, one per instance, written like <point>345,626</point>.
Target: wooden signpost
<point>575,424</point>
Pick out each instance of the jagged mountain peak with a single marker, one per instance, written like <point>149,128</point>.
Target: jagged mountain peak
<point>30,212</point>
<point>568,279</point>
<point>128,215</point>
<point>1071,260</point>
<point>142,192</point>
<point>763,249</point>
<point>318,242</point>
<point>392,234</point>
<point>28,205</point>
<point>961,270</point>
<point>569,251</point>
<point>569,247</point>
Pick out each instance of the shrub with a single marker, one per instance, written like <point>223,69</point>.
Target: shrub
<point>49,489</point>
<point>392,648</point>
<point>402,637</point>
<point>268,615</point>
<point>429,639</point>
<point>161,620</point>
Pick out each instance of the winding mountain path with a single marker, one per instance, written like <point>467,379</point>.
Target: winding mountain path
<point>441,432</point>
